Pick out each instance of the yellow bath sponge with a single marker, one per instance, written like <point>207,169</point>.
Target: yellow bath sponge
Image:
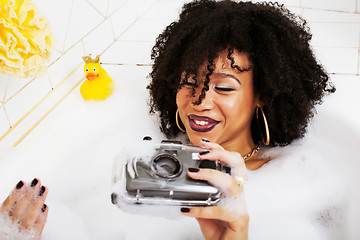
<point>26,39</point>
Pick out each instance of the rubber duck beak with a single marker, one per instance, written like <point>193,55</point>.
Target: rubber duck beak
<point>91,76</point>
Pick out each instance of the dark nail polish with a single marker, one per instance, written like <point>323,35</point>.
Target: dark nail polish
<point>147,138</point>
<point>43,208</point>
<point>114,199</point>
<point>19,185</point>
<point>185,209</point>
<point>193,169</point>
<point>204,152</point>
<point>34,182</point>
<point>42,190</point>
<point>205,140</point>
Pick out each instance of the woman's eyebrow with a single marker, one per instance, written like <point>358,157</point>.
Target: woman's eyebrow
<point>226,75</point>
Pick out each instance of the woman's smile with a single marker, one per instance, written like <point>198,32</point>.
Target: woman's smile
<point>201,123</point>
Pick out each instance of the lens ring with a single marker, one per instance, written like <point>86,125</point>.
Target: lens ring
<point>166,166</point>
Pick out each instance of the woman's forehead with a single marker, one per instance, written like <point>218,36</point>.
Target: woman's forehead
<point>224,62</point>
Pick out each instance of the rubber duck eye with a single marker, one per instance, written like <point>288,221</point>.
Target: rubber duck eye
<point>87,69</point>
<point>94,69</point>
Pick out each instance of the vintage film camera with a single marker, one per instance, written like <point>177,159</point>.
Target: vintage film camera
<point>156,173</point>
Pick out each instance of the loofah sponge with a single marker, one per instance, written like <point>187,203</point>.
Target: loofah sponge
<point>26,39</point>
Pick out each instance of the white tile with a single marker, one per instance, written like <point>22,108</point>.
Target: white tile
<point>58,13</point>
<point>290,3</point>
<point>145,30</point>
<point>346,99</point>
<point>4,82</point>
<point>99,39</point>
<point>338,60</point>
<point>4,123</point>
<point>164,11</point>
<point>115,5</point>
<point>66,64</point>
<point>339,5</point>
<point>142,6</point>
<point>16,85</point>
<point>335,34</point>
<point>18,106</point>
<point>32,119</point>
<point>123,18</point>
<point>100,6</point>
<point>129,53</point>
<point>11,85</point>
<point>358,6</point>
<point>296,10</point>
<point>55,55</point>
<point>313,15</point>
<point>84,19</point>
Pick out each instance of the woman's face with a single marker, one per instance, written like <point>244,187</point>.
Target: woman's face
<point>224,115</point>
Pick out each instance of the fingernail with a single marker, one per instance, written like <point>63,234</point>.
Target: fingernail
<point>204,152</point>
<point>193,169</point>
<point>205,140</point>
<point>43,208</point>
<point>19,185</point>
<point>185,209</point>
<point>42,190</point>
<point>34,182</point>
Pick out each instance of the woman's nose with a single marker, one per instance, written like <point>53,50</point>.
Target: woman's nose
<point>207,103</point>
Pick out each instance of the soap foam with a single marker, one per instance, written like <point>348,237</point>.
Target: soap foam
<point>10,230</point>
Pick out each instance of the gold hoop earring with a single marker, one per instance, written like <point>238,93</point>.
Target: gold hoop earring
<point>177,121</point>
<point>267,142</point>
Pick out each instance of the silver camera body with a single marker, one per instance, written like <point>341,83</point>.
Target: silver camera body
<point>157,174</point>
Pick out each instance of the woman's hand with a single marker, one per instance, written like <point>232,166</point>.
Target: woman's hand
<point>218,222</point>
<point>25,207</point>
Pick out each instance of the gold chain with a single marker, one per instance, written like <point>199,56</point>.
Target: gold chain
<point>252,153</point>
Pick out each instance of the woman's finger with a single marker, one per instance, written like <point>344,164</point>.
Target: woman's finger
<point>223,181</point>
<point>10,201</point>
<point>34,209</point>
<point>210,228</point>
<point>210,145</point>
<point>213,212</point>
<point>22,204</point>
<point>230,158</point>
<point>237,223</point>
<point>41,220</point>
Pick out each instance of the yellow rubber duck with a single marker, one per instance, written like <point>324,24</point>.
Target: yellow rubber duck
<point>98,85</point>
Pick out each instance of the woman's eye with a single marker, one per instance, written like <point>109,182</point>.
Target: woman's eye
<point>224,89</point>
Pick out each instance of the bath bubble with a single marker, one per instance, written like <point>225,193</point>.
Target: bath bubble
<point>303,188</point>
<point>235,204</point>
<point>10,230</point>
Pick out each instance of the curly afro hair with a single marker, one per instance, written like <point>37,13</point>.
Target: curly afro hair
<point>286,74</point>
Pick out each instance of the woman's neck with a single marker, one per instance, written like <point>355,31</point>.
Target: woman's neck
<point>245,147</point>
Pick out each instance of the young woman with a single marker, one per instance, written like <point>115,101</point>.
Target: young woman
<point>235,77</point>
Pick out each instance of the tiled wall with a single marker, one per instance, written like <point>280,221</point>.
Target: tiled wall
<point>123,32</point>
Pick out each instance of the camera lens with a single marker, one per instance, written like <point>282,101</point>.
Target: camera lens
<point>166,166</point>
